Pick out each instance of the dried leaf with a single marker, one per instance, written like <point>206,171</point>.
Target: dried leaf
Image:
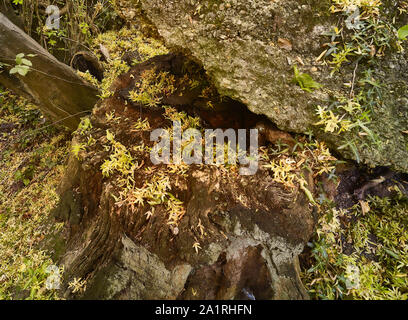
<point>285,44</point>
<point>364,207</point>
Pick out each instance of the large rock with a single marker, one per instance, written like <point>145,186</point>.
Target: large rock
<point>239,43</point>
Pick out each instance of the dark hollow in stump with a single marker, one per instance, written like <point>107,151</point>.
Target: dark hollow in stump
<point>87,61</point>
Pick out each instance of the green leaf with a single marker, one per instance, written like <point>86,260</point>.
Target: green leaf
<point>22,70</point>
<point>403,32</point>
<point>109,136</point>
<point>355,151</point>
<point>305,81</point>
<point>26,62</point>
<point>353,148</point>
<point>392,253</point>
<point>18,61</point>
<point>368,131</point>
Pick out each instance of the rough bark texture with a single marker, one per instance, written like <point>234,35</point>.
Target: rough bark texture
<point>237,42</point>
<point>53,86</point>
<point>250,229</point>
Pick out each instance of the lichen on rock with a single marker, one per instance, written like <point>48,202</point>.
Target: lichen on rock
<point>249,48</point>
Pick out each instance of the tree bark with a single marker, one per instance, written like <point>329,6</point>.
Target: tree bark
<point>53,86</point>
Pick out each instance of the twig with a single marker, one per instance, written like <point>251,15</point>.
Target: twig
<point>353,81</point>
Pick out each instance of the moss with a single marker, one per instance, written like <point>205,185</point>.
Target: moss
<point>117,44</point>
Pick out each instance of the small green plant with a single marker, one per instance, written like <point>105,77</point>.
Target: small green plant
<point>340,57</point>
<point>351,145</point>
<point>370,39</point>
<point>288,167</point>
<point>84,28</point>
<point>52,36</point>
<point>84,126</point>
<point>350,115</point>
<point>305,81</point>
<point>331,122</point>
<point>403,32</point>
<point>22,64</point>
<point>152,88</point>
<point>120,160</point>
<point>76,148</point>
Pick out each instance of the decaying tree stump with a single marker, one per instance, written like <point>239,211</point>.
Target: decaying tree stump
<point>53,86</point>
<point>239,237</point>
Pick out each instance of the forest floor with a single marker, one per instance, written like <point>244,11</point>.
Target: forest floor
<point>360,252</point>
<point>32,158</point>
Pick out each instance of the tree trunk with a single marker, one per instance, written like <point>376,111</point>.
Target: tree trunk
<point>57,90</point>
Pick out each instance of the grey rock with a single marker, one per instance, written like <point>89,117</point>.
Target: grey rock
<point>238,48</point>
